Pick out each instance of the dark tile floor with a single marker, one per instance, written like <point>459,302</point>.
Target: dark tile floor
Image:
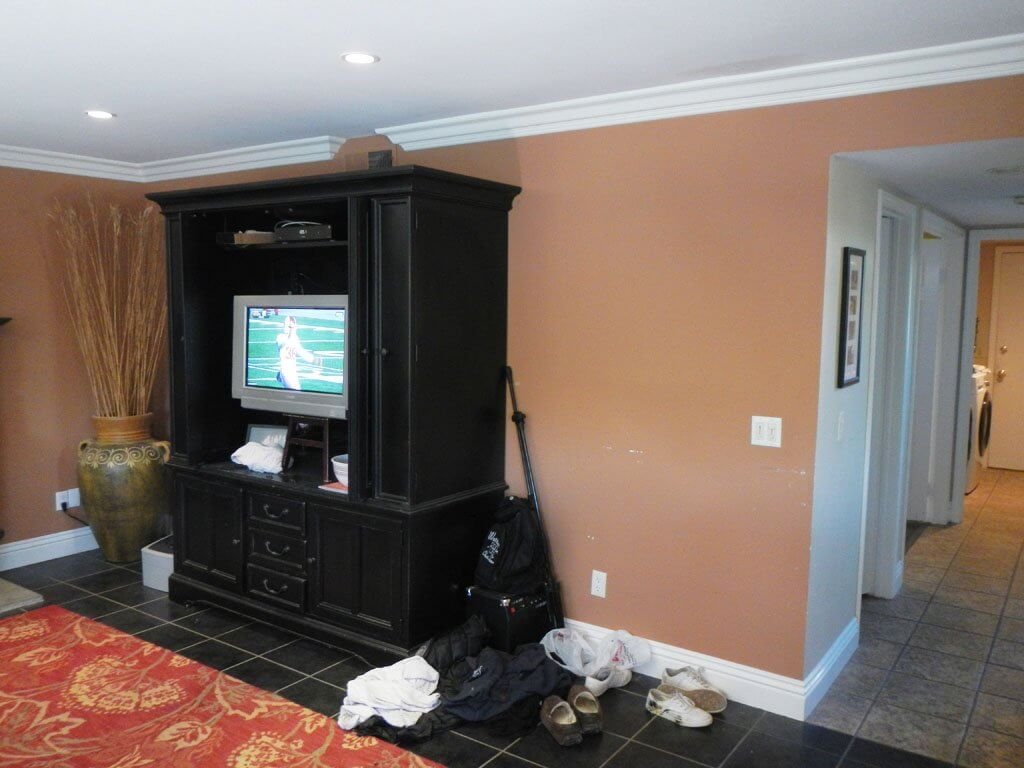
<point>315,676</point>
<point>940,668</point>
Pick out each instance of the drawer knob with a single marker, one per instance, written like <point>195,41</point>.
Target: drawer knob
<point>274,590</point>
<point>235,542</point>
<point>276,552</point>
<point>311,560</point>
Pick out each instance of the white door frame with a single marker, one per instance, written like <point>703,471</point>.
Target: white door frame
<point>890,393</point>
<point>974,241</point>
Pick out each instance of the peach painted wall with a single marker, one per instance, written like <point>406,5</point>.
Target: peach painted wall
<point>666,283</point>
<point>45,400</point>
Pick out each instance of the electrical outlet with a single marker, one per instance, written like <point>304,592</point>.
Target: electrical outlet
<point>766,430</point>
<point>598,583</point>
<point>70,497</point>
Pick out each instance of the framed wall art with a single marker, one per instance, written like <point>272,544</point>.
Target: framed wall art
<point>850,316</point>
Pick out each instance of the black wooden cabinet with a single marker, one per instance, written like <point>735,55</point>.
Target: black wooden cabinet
<point>422,256</point>
<point>208,519</point>
<point>356,579</point>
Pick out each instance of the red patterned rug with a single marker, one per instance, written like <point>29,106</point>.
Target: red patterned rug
<point>75,693</point>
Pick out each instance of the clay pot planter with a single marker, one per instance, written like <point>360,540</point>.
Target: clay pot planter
<point>123,484</point>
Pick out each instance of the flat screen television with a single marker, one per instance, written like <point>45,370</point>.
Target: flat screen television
<point>288,354</point>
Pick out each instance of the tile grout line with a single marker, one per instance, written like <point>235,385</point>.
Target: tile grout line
<point>931,601</point>
<point>204,637</point>
<point>995,637</point>
<point>906,644</point>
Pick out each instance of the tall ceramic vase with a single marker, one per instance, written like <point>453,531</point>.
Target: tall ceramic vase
<point>123,484</point>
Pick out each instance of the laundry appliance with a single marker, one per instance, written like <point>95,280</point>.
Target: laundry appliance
<point>980,426</point>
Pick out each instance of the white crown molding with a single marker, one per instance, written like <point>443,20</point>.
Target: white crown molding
<point>42,548</point>
<point>62,162</point>
<point>937,65</point>
<point>311,150</point>
<point>755,687</point>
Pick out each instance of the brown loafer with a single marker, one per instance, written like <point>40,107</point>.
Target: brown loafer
<point>587,709</point>
<point>560,720</point>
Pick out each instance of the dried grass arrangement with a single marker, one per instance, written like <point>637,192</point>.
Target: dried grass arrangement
<point>113,283</point>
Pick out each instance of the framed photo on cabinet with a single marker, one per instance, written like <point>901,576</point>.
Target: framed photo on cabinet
<point>267,434</point>
<point>850,316</point>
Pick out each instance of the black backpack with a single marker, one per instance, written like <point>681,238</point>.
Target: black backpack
<point>512,557</point>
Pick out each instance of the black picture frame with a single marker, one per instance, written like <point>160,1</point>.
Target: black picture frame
<point>257,433</point>
<point>851,316</point>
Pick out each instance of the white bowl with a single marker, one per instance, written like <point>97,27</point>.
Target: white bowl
<point>340,464</point>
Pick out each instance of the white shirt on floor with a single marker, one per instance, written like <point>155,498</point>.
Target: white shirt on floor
<point>399,693</point>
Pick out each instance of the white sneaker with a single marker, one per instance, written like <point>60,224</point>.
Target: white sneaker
<point>609,677</point>
<point>690,681</point>
<point>667,702</point>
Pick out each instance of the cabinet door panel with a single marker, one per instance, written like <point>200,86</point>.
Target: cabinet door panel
<point>392,291</point>
<point>356,573</point>
<point>208,532</point>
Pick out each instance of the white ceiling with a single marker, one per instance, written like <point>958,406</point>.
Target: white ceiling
<point>193,77</point>
<point>974,184</point>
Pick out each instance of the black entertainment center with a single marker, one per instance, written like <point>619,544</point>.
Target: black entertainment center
<point>421,256</point>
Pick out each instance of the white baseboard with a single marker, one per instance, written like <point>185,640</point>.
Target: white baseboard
<point>43,548</point>
<point>817,683</point>
<point>782,695</point>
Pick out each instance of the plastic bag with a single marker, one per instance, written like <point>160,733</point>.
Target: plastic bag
<point>571,650</point>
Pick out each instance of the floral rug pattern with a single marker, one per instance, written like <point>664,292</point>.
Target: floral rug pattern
<point>77,694</point>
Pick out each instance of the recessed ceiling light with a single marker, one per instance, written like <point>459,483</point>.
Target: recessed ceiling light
<point>99,114</point>
<point>355,57</point>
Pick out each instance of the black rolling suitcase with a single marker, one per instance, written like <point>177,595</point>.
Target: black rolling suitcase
<point>516,592</point>
<point>511,619</point>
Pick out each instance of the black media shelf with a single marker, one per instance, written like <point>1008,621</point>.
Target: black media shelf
<point>287,246</point>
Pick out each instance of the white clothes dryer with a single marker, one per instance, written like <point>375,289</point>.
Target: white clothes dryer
<point>979,426</point>
<point>984,430</point>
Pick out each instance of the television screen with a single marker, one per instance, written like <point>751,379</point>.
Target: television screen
<point>295,348</point>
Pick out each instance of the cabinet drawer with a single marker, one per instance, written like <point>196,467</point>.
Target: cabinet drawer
<point>278,512</point>
<point>276,551</point>
<point>273,587</point>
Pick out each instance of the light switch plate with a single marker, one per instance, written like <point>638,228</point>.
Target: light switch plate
<point>766,431</point>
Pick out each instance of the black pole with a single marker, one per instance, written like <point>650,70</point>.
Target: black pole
<point>551,587</point>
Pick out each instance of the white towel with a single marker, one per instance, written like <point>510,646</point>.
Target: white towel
<point>399,693</point>
<point>259,458</point>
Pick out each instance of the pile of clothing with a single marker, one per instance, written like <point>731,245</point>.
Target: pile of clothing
<point>453,679</point>
<point>456,678</point>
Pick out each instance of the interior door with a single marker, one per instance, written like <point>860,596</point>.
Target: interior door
<point>934,440</point>
<point>1006,444</point>
<point>885,504</point>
